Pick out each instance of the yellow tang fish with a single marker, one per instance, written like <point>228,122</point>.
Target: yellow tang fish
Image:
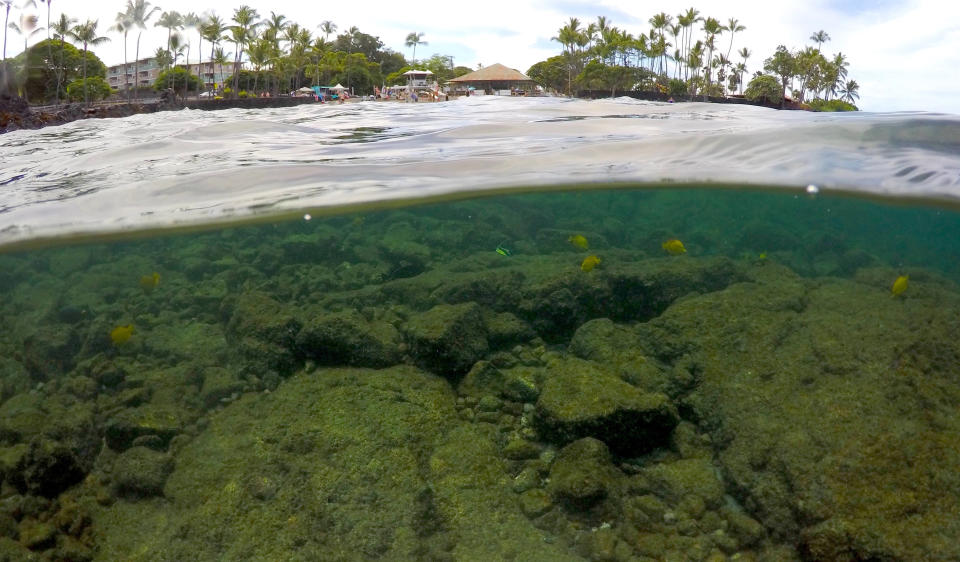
<point>900,285</point>
<point>674,247</point>
<point>149,282</point>
<point>589,263</point>
<point>121,334</point>
<point>579,240</point>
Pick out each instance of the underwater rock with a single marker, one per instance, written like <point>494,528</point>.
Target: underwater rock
<point>37,535</point>
<point>447,339</point>
<point>675,481</point>
<point>50,350</point>
<point>347,338</point>
<point>218,384</point>
<point>140,472</point>
<point>620,350</point>
<point>579,399</point>
<point>263,331</point>
<point>46,469</point>
<point>148,419</point>
<point>505,329</point>
<point>583,475</point>
<point>853,384</point>
<point>518,383</point>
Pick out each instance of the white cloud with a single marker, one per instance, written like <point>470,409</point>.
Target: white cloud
<point>904,53</point>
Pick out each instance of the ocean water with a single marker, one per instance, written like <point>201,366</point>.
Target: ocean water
<point>489,329</point>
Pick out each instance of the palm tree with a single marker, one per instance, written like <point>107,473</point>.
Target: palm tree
<point>213,31</point>
<point>220,58</point>
<point>86,33</point>
<point>122,24</point>
<point>190,21</point>
<point>139,12</point>
<point>850,91</point>
<point>171,21</point>
<point>414,39</point>
<point>733,26</point>
<point>176,48</point>
<point>839,64</point>
<point>742,67</point>
<point>163,57</point>
<point>820,37</point>
<point>661,22</point>
<point>61,30</point>
<point>242,34</point>
<point>328,27</point>
<point>688,19</point>
<point>712,28</point>
<point>28,25</point>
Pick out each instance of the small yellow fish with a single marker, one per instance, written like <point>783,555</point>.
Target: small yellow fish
<point>579,240</point>
<point>121,334</point>
<point>589,263</point>
<point>900,285</point>
<point>674,247</point>
<point>149,282</point>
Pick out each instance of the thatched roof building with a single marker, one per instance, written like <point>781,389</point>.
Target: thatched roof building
<point>494,77</point>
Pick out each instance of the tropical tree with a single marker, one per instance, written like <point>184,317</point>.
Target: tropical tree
<point>163,57</point>
<point>328,27</point>
<point>172,21</point>
<point>139,12</point>
<point>242,34</point>
<point>61,30</point>
<point>820,37</point>
<point>190,21</point>
<point>6,22</point>
<point>123,24</point>
<point>86,33</point>
<point>688,20</point>
<point>782,64</point>
<point>220,58</point>
<point>414,39</point>
<point>850,91</point>
<point>27,27</point>
<point>742,67</point>
<point>712,28</point>
<point>213,31</point>
<point>839,66</point>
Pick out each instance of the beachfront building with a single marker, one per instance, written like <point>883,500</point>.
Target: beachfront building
<point>495,79</point>
<point>212,75</point>
<point>148,72</point>
<point>420,80</point>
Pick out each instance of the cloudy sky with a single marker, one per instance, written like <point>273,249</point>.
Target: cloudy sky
<point>904,53</point>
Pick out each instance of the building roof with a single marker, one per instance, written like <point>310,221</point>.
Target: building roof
<point>494,73</point>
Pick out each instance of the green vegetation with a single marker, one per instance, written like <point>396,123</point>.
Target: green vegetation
<point>764,88</point>
<point>284,55</point>
<point>670,58</point>
<point>92,88</point>
<point>832,105</point>
<point>178,79</point>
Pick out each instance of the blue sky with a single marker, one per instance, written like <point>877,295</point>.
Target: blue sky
<point>904,53</point>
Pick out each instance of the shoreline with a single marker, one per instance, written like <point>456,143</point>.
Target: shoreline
<point>15,114</point>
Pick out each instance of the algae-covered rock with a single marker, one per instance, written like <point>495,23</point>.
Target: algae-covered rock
<point>517,383</point>
<point>347,338</point>
<point>583,475</point>
<point>579,399</point>
<point>263,331</point>
<point>448,339</point>
<point>343,464</point>
<point>51,350</point>
<point>676,480</point>
<point>620,350</point>
<point>37,535</point>
<point>46,469</point>
<point>163,421</point>
<point>140,472</point>
<point>218,384</point>
<point>811,392</point>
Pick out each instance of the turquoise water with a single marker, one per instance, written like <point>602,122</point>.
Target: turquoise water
<point>382,383</point>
